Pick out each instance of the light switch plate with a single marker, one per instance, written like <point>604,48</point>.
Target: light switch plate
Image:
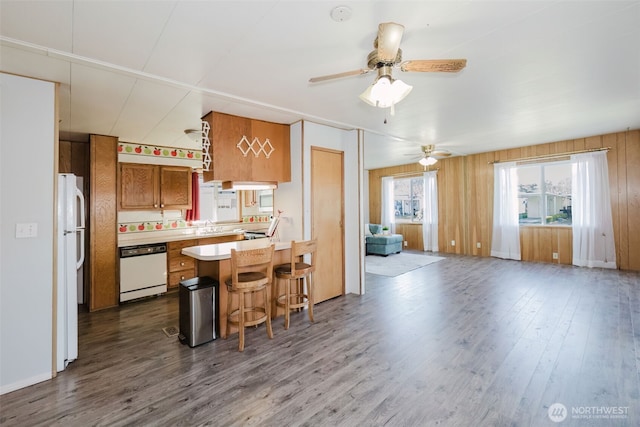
<point>26,230</point>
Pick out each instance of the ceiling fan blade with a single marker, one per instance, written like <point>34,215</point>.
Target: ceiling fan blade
<point>388,41</point>
<point>338,75</point>
<point>440,153</point>
<point>434,65</point>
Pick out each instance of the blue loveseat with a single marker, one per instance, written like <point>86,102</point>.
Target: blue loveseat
<point>381,244</point>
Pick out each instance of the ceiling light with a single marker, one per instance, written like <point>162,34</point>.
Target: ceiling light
<point>385,92</point>
<point>194,134</point>
<point>428,161</point>
<point>237,185</point>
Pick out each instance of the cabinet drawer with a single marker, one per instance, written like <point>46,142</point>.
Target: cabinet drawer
<point>181,262</point>
<point>176,277</point>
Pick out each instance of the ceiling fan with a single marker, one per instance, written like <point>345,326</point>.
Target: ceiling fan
<point>430,155</point>
<point>387,55</point>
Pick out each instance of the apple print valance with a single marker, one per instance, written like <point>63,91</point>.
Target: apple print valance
<point>171,154</point>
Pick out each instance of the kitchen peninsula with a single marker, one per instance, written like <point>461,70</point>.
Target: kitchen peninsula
<point>215,261</point>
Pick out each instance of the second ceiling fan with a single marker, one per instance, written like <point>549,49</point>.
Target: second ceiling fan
<point>387,55</point>
<point>430,155</point>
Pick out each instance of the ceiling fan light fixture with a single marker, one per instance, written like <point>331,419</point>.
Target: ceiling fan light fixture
<point>385,92</point>
<point>428,161</point>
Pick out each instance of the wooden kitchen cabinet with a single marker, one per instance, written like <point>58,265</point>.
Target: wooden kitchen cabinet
<point>278,166</point>
<point>154,187</point>
<point>175,187</point>
<point>103,239</point>
<point>179,267</point>
<point>228,160</point>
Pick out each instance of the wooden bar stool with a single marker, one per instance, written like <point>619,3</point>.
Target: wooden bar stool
<point>299,272</point>
<point>251,275</point>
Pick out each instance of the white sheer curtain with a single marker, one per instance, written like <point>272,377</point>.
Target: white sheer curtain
<point>505,242</point>
<point>593,244</point>
<point>430,217</point>
<point>387,214</point>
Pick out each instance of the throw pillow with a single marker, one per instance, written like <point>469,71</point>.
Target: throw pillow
<point>375,228</point>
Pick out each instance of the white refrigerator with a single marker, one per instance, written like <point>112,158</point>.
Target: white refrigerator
<point>71,227</point>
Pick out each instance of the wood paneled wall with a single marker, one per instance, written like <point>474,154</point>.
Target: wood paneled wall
<point>74,158</point>
<point>465,199</point>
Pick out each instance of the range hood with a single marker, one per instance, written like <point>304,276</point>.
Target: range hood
<point>246,185</point>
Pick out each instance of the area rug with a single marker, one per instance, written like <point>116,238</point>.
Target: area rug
<point>397,264</point>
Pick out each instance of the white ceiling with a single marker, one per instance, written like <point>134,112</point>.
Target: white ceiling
<point>537,71</point>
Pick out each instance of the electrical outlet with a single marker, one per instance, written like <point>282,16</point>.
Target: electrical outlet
<point>453,243</point>
<point>478,245</point>
<point>555,255</point>
<point>406,243</point>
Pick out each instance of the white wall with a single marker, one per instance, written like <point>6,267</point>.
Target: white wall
<point>294,197</point>
<point>347,141</point>
<point>288,196</point>
<point>27,138</point>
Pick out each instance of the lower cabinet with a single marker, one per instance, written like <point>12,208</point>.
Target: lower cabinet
<point>180,267</point>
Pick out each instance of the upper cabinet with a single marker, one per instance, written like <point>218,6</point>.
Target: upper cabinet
<point>154,187</point>
<point>244,149</point>
<point>175,187</point>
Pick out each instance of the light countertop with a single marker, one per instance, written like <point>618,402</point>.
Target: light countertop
<point>220,251</point>
<point>168,236</point>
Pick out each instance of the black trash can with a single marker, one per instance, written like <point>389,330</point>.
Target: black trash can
<point>198,311</point>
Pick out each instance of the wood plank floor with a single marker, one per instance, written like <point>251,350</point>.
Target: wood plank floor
<point>462,342</point>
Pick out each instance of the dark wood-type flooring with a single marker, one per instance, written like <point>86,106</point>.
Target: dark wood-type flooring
<point>461,342</point>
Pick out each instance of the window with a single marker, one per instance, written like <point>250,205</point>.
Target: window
<point>216,204</point>
<point>408,199</point>
<point>265,200</point>
<point>544,194</point>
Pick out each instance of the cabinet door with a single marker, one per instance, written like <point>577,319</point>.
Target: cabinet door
<point>103,239</point>
<point>139,186</point>
<point>274,138</point>
<point>175,187</point>
<point>228,163</point>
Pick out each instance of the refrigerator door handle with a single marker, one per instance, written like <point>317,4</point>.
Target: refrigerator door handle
<point>80,227</point>
<point>81,249</point>
<point>81,213</point>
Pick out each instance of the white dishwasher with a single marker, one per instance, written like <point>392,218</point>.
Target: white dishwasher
<point>143,271</point>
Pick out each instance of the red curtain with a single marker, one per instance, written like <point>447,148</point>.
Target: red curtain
<point>193,214</point>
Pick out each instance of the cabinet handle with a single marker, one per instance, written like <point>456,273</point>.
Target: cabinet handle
<point>182,264</point>
<point>155,205</point>
<point>181,277</point>
<point>162,205</point>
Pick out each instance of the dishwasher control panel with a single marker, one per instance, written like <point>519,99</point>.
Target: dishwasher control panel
<point>138,250</point>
